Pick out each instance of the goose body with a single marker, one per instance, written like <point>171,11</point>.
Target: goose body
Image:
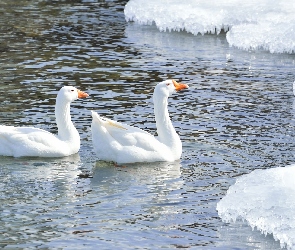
<point>30,141</point>
<point>121,143</point>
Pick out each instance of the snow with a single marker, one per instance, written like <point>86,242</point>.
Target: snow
<point>265,199</point>
<point>251,25</point>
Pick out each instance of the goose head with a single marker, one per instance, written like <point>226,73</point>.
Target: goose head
<point>168,87</point>
<point>69,94</point>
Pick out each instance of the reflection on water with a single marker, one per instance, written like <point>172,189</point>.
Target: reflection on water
<point>32,191</point>
<point>238,115</point>
<point>235,234</point>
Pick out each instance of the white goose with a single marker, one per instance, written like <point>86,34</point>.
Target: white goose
<point>121,143</point>
<point>30,141</point>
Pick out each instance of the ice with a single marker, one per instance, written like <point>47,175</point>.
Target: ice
<point>259,24</point>
<point>265,199</point>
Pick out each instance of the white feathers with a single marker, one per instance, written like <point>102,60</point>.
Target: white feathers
<point>30,141</point>
<point>121,143</point>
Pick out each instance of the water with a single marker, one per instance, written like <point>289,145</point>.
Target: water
<point>237,116</point>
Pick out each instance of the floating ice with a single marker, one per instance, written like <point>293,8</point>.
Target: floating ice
<point>252,24</point>
<point>266,200</point>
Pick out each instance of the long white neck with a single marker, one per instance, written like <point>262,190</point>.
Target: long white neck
<point>165,129</point>
<point>66,129</point>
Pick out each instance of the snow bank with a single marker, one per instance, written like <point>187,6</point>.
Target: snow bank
<point>266,200</point>
<point>259,24</point>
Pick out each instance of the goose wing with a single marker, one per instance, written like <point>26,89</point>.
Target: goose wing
<point>125,135</point>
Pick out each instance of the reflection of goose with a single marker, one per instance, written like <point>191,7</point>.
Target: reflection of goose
<point>153,176</point>
<point>48,178</point>
<point>121,143</point>
<point>157,171</point>
<point>28,141</point>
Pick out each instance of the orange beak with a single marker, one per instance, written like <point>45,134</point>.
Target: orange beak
<point>179,86</point>
<point>82,94</point>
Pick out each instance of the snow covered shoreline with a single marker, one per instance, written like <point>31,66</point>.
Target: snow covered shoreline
<point>250,24</point>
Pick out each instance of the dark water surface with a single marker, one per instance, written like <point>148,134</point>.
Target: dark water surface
<point>237,116</point>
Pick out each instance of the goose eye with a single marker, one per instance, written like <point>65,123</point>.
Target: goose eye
<point>72,90</point>
<point>167,84</point>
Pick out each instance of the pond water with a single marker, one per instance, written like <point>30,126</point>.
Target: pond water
<point>237,116</point>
